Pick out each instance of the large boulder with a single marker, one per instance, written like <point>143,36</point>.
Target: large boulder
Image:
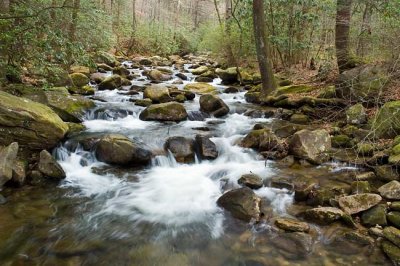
<point>261,140</point>
<point>182,149</point>
<point>78,79</point>
<point>242,203</point>
<point>200,88</point>
<point>80,69</point>
<point>120,150</point>
<point>357,203</point>
<point>390,190</point>
<point>213,105</point>
<point>33,125</point>
<point>122,71</point>
<point>106,58</point>
<point>111,83</point>
<point>206,148</point>
<point>310,145</point>
<point>164,112</point>
<point>200,70</point>
<point>362,84</point>
<point>157,93</point>
<point>157,75</point>
<point>8,156</point>
<point>69,108</point>
<point>386,123</point>
<point>228,76</point>
<point>49,167</point>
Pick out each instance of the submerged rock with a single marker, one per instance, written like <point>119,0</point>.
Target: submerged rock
<point>33,125</point>
<point>164,112</point>
<point>242,203</point>
<point>293,225</point>
<point>294,245</point>
<point>357,203</point>
<point>206,148</point>
<point>213,105</point>
<point>252,181</point>
<point>182,149</point>
<point>8,156</point>
<point>118,149</point>
<point>310,145</point>
<point>392,251</point>
<point>49,167</point>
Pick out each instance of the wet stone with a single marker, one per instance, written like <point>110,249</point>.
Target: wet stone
<point>252,181</point>
<point>323,215</point>
<point>293,225</point>
<point>392,234</point>
<point>294,245</point>
<point>394,218</point>
<point>392,251</point>
<point>357,203</point>
<point>358,187</point>
<point>395,206</point>
<point>390,190</point>
<point>375,216</point>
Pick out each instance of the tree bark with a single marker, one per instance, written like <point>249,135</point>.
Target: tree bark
<point>365,30</point>
<point>343,16</point>
<point>263,50</point>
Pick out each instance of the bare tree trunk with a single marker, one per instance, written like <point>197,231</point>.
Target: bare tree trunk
<point>343,15</point>
<point>263,50</point>
<point>365,30</point>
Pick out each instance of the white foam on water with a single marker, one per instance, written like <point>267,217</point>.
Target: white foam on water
<point>128,123</point>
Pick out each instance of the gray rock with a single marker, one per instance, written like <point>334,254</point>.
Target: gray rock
<point>323,215</point>
<point>390,190</point>
<point>357,203</point>
<point>207,149</point>
<point>310,145</point>
<point>118,149</point>
<point>8,156</point>
<point>164,112</point>
<point>49,167</point>
<point>213,105</point>
<point>252,181</point>
<point>242,203</point>
<point>182,149</point>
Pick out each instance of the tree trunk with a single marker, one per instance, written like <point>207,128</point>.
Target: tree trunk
<point>263,50</point>
<point>365,30</point>
<point>343,15</point>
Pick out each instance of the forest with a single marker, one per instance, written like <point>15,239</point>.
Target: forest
<point>200,132</point>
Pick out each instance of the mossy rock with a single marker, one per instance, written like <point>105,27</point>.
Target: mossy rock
<point>164,112</point>
<point>75,128</point>
<point>299,119</point>
<point>365,149</point>
<point>392,251</point>
<point>328,93</point>
<point>79,79</point>
<point>228,76</point>
<point>374,216</point>
<point>341,141</point>
<point>111,83</point>
<point>363,84</point>
<point>200,70</point>
<point>394,218</point>
<point>200,88</point>
<point>358,187</point>
<point>80,69</point>
<point>157,93</point>
<point>69,108</point>
<point>386,123</point>
<point>85,90</point>
<point>106,58</point>
<point>143,102</point>
<point>33,125</point>
<point>293,89</point>
<point>356,115</point>
<point>253,97</point>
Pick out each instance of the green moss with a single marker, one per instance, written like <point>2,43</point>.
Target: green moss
<point>328,93</point>
<point>341,141</point>
<point>386,123</point>
<point>79,79</point>
<point>293,89</point>
<point>200,88</point>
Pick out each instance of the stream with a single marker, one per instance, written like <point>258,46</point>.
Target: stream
<point>166,213</point>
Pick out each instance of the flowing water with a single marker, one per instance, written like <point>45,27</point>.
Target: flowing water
<point>163,214</point>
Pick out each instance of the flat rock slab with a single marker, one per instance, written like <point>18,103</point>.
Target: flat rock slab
<point>323,215</point>
<point>357,203</point>
<point>293,225</point>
